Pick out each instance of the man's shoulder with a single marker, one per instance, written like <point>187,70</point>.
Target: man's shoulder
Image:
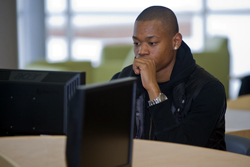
<point>201,75</point>
<point>201,79</point>
<point>126,72</point>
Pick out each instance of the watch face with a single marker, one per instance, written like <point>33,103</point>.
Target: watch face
<point>161,97</point>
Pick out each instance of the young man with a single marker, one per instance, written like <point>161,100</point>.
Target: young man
<point>177,101</point>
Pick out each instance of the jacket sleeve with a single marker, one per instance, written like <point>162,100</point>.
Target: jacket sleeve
<point>196,128</point>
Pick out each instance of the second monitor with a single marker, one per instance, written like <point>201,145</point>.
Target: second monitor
<point>101,124</point>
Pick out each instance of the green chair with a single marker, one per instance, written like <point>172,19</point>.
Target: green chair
<point>112,60</point>
<point>215,59</point>
<point>64,66</point>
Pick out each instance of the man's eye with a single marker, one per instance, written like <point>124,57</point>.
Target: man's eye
<point>136,43</point>
<point>152,43</point>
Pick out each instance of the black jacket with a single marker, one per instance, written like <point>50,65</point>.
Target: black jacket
<point>194,112</point>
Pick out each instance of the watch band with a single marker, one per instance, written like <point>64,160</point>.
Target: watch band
<point>161,97</point>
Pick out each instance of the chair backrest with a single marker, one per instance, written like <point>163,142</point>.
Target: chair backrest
<point>215,59</point>
<point>237,144</point>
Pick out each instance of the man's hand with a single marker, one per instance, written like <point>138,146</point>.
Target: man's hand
<point>147,69</point>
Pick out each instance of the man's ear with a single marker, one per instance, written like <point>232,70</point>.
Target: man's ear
<point>177,39</point>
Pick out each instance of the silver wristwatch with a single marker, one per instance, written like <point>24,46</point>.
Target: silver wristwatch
<point>161,97</point>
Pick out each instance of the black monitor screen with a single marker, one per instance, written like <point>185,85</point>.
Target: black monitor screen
<point>101,132</point>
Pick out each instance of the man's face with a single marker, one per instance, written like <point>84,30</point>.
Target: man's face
<point>151,41</point>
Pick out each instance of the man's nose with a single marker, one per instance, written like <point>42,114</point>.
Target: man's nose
<point>143,50</point>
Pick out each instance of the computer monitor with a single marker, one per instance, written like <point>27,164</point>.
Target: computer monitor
<point>34,102</point>
<point>101,124</point>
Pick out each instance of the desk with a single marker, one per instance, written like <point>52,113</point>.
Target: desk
<point>237,119</point>
<point>242,103</point>
<point>49,151</point>
<point>238,116</point>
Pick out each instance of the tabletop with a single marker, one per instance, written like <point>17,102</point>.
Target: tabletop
<point>49,151</point>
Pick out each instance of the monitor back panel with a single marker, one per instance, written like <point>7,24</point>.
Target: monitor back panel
<point>102,125</point>
<point>36,102</point>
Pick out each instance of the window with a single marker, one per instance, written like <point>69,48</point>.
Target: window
<point>231,19</point>
<point>78,30</point>
<point>56,22</point>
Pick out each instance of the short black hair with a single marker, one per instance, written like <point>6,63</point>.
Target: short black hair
<point>163,14</point>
